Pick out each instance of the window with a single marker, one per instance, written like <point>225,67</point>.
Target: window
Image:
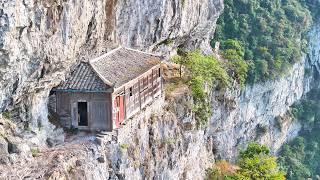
<point>130,91</point>
<point>159,73</point>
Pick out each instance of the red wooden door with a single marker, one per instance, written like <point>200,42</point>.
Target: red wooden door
<point>121,109</point>
<point>119,104</point>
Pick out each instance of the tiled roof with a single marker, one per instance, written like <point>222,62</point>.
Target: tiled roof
<point>83,79</point>
<point>114,68</point>
<point>122,65</point>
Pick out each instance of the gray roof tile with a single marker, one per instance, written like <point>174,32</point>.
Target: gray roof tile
<point>83,78</point>
<point>122,65</point>
<point>115,68</point>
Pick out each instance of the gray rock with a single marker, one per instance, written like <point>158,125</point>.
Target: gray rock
<point>79,162</point>
<point>53,142</point>
<point>4,160</point>
<point>50,142</point>
<point>101,159</point>
<point>99,140</point>
<point>45,46</point>
<point>13,145</point>
<point>3,147</point>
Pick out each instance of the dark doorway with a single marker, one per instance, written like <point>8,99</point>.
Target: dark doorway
<point>82,114</point>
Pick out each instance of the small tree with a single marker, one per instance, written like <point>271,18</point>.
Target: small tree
<point>256,163</point>
<point>180,59</point>
<point>203,71</point>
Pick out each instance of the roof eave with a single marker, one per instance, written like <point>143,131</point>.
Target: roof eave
<point>110,90</point>
<point>141,75</point>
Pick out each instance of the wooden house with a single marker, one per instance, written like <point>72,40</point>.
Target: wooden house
<point>102,93</point>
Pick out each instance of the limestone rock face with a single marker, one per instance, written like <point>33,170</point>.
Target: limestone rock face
<point>313,58</point>
<point>41,40</point>
<point>157,145</point>
<point>257,114</point>
<point>260,112</point>
<point>157,24</point>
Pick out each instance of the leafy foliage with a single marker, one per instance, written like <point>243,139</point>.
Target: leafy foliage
<point>203,71</point>
<point>6,115</point>
<point>35,152</point>
<point>300,158</point>
<point>234,53</point>
<point>254,163</point>
<point>271,31</point>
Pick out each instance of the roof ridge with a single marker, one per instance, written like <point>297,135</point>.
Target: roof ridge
<point>104,55</point>
<point>101,76</point>
<point>141,51</point>
<point>101,57</point>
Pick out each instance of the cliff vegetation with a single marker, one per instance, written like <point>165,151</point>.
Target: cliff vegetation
<point>255,162</point>
<point>203,72</point>
<point>272,33</point>
<point>300,158</point>
<point>206,72</point>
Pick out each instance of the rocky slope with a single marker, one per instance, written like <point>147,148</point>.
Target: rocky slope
<point>158,143</point>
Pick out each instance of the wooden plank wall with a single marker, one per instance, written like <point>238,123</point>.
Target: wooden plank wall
<point>141,91</point>
<point>99,109</point>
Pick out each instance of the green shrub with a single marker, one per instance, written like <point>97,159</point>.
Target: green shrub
<point>299,158</point>
<point>202,71</point>
<point>256,163</point>
<point>6,115</point>
<point>35,152</point>
<point>124,146</point>
<point>234,53</point>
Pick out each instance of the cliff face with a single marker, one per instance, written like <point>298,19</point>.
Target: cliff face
<point>160,142</point>
<point>313,58</point>
<point>258,114</point>
<point>261,112</point>
<point>41,40</point>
